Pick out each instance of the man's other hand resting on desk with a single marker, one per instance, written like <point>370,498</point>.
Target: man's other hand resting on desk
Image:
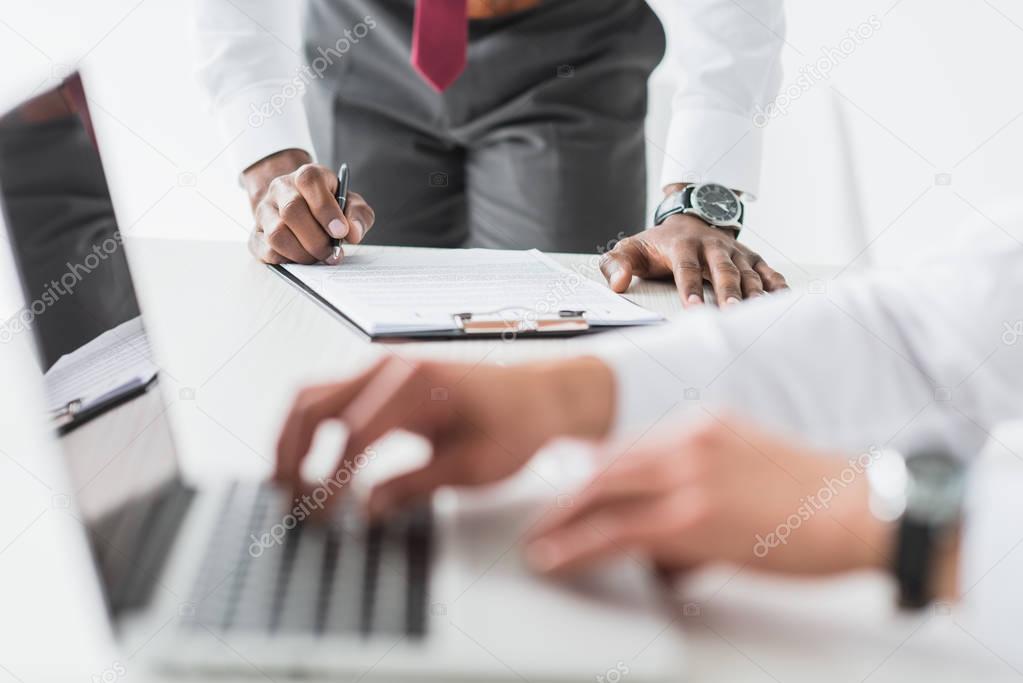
<point>296,212</point>
<point>693,251</point>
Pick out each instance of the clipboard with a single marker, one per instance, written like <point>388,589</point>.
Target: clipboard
<point>506,324</point>
<point>77,412</point>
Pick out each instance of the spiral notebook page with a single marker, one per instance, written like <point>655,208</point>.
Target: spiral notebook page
<point>393,291</point>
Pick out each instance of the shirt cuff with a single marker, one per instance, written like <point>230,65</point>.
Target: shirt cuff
<point>642,393</point>
<point>261,121</point>
<point>649,383</point>
<point>711,145</point>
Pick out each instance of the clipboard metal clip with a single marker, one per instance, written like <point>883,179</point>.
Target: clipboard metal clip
<point>66,414</point>
<point>521,321</point>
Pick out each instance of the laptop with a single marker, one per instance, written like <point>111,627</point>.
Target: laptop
<point>233,577</point>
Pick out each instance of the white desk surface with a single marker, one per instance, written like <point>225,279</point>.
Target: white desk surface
<point>235,341</point>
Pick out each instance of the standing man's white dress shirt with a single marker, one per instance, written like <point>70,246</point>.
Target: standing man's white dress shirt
<point>727,65</point>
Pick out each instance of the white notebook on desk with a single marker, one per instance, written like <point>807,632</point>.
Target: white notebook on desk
<point>389,292</point>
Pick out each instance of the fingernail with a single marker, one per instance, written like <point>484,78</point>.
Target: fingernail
<point>731,301</point>
<point>694,300</point>
<point>337,229</point>
<point>358,230</point>
<point>621,279</point>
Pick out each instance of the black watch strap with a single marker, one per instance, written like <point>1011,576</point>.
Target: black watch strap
<point>914,552</point>
<point>663,213</point>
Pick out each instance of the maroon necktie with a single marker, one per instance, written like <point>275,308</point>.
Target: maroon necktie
<point>440,40</point>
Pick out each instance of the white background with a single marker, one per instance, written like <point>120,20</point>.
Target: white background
<point>935,90</point>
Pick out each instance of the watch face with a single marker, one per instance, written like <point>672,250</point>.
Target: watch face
<point>716,203</point>
<point>936,487</point>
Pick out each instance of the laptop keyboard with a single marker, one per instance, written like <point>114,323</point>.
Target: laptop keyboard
<point>133,542</point>
<point>268,572</point>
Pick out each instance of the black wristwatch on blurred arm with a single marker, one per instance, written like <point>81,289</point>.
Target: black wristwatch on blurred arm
<point>923,494</point>
<point>714,204</point>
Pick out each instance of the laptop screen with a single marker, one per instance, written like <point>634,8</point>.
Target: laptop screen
<point>80,306</point>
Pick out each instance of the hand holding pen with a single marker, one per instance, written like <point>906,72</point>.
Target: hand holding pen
<point>299,214</point>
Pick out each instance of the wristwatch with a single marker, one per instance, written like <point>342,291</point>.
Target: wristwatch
<point>714,204</point>
<point>922,493</point>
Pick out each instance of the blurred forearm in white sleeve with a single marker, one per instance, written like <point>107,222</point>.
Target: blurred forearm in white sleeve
<point>727,64</point>
<point>250,68</point>
<point>931,352</point>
